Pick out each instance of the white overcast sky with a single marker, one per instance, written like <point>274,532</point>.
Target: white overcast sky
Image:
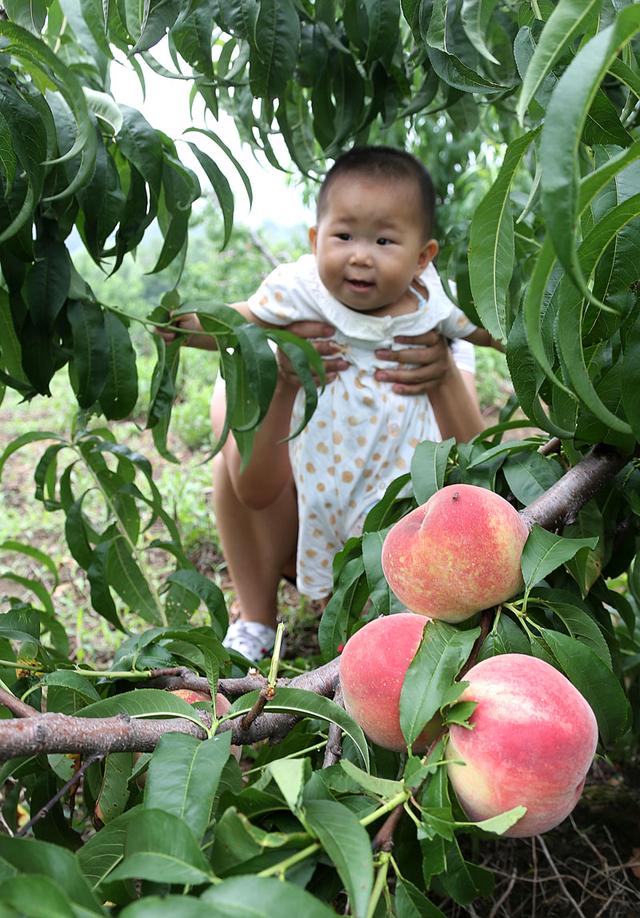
<point>166,107</point>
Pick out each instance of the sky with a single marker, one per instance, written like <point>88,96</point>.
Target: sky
<point>166,107</point>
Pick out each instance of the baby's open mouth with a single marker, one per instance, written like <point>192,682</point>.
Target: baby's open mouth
<point>360,284</point>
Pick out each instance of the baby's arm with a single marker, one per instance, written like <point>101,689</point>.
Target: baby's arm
<point>198,337</point>
<point>482,338</point>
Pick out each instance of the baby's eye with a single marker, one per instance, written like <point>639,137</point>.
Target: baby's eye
<point>383,241</point>
<point>345,237</point>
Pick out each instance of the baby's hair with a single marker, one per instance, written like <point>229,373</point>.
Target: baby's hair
<point>385,163</point>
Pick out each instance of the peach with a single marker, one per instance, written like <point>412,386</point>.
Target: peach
<point>372,669</point>
<point>456,554</point>
<point>222,706</point>
<point>532,743</point>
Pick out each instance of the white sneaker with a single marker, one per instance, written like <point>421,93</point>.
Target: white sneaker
<point>253,640</point>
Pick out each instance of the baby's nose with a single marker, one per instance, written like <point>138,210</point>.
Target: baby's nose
<point>361,254</point>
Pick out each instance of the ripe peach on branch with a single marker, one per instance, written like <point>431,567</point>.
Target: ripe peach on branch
<point>456,554</point>
<point>531,743</point>
<point>373,665</point>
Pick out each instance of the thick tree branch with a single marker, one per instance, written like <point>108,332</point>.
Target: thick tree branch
<point>102,735</point>
<point>559,506</point>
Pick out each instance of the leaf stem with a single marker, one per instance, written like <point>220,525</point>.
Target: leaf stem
<point>379,885</point>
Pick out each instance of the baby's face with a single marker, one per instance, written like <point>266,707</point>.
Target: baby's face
<point>369,243</point>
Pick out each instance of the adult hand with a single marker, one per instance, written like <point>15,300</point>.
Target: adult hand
<point>318,334</point>
<point>431,353</point>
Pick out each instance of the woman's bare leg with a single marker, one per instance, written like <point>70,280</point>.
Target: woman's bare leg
<point>256,511</point>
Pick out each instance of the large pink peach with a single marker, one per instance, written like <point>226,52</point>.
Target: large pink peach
<point>372,669</point>
<point>456,554</point>
<point>532,743</point>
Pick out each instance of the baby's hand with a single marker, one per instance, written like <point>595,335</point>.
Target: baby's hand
<point>187,322</point>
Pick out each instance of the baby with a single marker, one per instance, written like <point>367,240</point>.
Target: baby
<point>371,277</point>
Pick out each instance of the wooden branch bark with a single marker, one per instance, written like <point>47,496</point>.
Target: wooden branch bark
<point>101,735</point>
<point>559,506</point>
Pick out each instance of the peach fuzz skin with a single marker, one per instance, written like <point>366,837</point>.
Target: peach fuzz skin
<point>532,743</point>
<point>457,554</point>
<point>373,665</point>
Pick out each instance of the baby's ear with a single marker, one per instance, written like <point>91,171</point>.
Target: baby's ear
<point>427,253</point>
<point>313,238</point>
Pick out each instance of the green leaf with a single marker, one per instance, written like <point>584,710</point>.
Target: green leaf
<point>120,392</point>
<point>210,593</point>
<point>105,850</point>
<point>104,107</point>
<point>290,776</point>
<point>241,172</point>
<point>260,897</point>
<point>381,595</point>
<point>565,118</point>
<point>37,897</point>
<point>221,187</point>
<point>162,848</point>
<point>30,551</point>
<point>631,375</point>
<point>475,16</point>
<point>89,364</point>
<point>455,73</point>
<point>577,621</point>
<point>568,19</point>
<point>167,907</point>
<point>114,790</point>
<point>309,704</point>
<point>126,578</point>
<point>334,623</point>
<point>410,902</point>
<point>183,777</point>
<point>428,467</point>
<point>529,475</point>
<point>430,680</point>
<point>349,847</point>
<point>383,16</point>
<point>595,681</point>
<point>142,703</point>
<point>379,787</point>
<point>47,284</point>
<point>491,244</point>
<point>571,313</point>
<point>40,858</point>
<point>544,552</point>
<point>277,36</point>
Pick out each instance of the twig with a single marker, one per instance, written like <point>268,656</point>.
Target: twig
<point>333,751</point>
<point>554,445</point>
<point>563,886</point>
<point>261,247</point>
<point>383,839</point>
<point>266,694</point>
<point>18,708</point>
<point>71,783</point>
<point>505,895</point>
<point>486,623</point>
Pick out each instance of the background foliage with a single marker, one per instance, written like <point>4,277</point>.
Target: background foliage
<point>527,115</point>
